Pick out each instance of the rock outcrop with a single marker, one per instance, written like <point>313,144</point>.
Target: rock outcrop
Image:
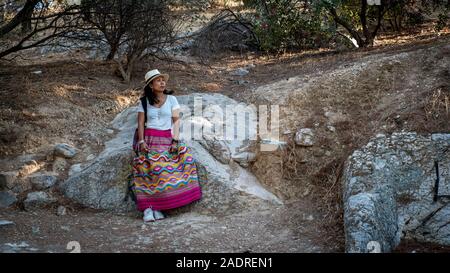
<point>390,192</point>
<point>102,182</point>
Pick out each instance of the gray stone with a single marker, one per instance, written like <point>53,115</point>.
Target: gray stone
<point>436,137</point>
<point>37,200</point>
<point>42,181</point>
<point>244,158</point>
<point>388,192</point>
<point>65,228</point>
<point>61,211</point>
<point>8,180</point>
<point>331,128</point>
<point>102,182</point>
<point>242,82</point>
<point>304,137</point>
<point>65,150</point>
<point>5,223</point>
<point>35,230</point>
<point>218,148</point>
<point>7,198</point>
<point>240,72</point>
<point>21,245</point>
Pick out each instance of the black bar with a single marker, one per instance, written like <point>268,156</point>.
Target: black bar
<point>436,185</point>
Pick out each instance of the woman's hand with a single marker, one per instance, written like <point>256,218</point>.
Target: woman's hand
<point>173,148</point>
<point>143,147</point>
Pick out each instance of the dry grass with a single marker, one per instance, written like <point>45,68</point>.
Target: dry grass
<point>410,93</point>
<point>437,105</point>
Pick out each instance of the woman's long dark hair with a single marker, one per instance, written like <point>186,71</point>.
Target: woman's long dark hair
<point>148,92</point>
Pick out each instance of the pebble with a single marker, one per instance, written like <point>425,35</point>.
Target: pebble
<point>61,211</point>
<point>65,150</point>
<point>6,223</point>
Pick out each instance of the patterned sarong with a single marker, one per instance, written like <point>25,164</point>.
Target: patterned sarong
<point>163,180</point>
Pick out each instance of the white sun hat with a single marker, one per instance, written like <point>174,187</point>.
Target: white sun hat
<point>153,74</point>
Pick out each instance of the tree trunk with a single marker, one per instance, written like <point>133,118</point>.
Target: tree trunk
<point>353,33</point>
<point>26,26</point>
<point>122,71</point>
<point>112,51</point>
<point>126,70</point>
<point>363,18</point>
<point>20,17</point>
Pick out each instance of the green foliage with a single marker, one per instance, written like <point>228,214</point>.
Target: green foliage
<point>443,20</point>
<point>287,24</point>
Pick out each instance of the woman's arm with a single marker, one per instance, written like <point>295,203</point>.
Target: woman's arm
<point>176,123</point>
<point>141,121</point>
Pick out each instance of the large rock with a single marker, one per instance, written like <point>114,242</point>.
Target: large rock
<point>8,180</point>
<point>14,182</point>
<point>389,192</point>
<point>102,182</point>
<point>42,181</point>
<point>206,118</point>
<point>37,200</point>
<point>7,198</point>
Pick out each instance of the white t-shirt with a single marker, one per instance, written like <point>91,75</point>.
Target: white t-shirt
<point>160,118</point>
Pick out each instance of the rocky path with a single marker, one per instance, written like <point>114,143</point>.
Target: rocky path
<point>266,228</point>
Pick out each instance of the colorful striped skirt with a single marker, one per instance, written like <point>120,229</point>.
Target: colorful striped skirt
<point>162,180</point>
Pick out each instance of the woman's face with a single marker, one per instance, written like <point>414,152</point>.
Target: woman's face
<point>158,84</point>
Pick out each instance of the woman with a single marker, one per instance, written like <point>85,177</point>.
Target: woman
<point>164,174</point>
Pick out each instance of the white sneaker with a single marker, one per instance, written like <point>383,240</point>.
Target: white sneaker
<point>148,215</point>
<point>158,215</point>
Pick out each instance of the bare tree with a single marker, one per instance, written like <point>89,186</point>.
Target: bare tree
<point>133,29</point>
<point>24,15</point>
<point>41,25</point>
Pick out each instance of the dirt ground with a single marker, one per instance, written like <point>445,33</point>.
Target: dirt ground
<point>73,100</point>
<point>285,229</point>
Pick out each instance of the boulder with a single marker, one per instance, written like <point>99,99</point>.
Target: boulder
<point>42,181</point>
<point>8,180</point>
<point>102,182</point>
<point>14,182</point>
<point>390,191</point>
<point>37,200</point>
<point>210,129</point>
<point>7,198</point>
